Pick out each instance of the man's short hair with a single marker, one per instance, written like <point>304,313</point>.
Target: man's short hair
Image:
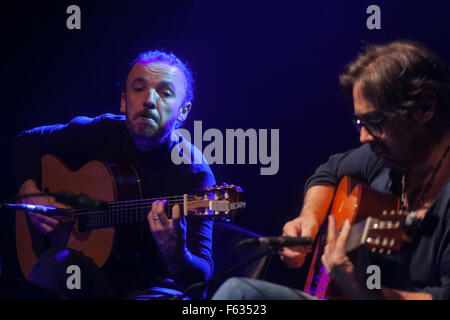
<point>170,59</point>
<point>393,77</point>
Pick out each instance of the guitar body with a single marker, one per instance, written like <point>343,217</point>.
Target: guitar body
<point>355,201</point>
<point>96,179</point>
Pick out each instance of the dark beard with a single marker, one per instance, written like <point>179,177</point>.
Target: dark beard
<point>149,135</point>
<point>141,130</point>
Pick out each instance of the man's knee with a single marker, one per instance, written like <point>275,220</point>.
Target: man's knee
<point>69,274</point>
<point>232,289</point>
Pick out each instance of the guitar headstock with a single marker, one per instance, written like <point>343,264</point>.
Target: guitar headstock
<point>387,233</point>
<point>218,202</point>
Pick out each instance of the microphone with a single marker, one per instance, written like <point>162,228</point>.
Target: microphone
<point>279,241</point>
<point>79,201</point>
<point>37,208</point>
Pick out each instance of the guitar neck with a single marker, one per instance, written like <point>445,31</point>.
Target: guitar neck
<point>382,236</point>
<point>357,235</point>
<point>218,202</point>
<point>124,212</point>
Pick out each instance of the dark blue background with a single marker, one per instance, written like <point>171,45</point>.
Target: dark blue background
<point>257,64</point>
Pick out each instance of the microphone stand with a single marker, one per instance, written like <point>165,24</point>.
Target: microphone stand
<point>199,285</point>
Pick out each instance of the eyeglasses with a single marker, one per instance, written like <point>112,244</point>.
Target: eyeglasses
<point>372,126</point>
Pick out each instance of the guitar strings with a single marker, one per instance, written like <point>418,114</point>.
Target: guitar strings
<point>139,204</point>
<point>166,197</point>
<point>112,218</point>
<point>124,207</point>
<point>181,197</point>
<point>108,218</point>
<point>114,204</point>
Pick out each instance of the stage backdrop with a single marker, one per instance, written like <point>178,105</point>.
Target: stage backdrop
<point>270,65</point>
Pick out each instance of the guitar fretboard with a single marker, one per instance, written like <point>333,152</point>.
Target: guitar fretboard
<point>123,212</point>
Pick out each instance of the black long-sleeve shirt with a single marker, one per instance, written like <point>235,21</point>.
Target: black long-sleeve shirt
<point>106,138</point>
<point>425,266</point>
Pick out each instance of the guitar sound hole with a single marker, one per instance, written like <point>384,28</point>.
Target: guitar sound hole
<point>80,230</point>
<point>82,224</point>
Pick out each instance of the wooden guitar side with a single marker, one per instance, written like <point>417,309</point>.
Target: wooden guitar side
<point>96,180</point>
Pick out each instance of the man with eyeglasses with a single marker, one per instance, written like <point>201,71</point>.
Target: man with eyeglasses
<point>401,96</point>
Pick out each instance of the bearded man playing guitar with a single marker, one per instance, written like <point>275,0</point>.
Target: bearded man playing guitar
<point>163,254</point>
<point>401,95</point>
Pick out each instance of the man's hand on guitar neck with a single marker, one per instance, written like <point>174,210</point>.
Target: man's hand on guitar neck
<point>348,276</point>
<point>43,223</point>
<point>170,236</point>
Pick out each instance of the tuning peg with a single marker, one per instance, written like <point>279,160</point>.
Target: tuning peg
<point>391,244</point>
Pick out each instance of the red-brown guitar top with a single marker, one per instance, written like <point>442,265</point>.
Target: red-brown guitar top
<point>376,221</point>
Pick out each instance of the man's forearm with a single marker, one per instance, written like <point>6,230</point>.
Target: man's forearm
<point>317,202</point>
<point>190,268</point>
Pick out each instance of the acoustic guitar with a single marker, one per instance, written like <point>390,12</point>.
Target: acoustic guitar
<point>377,223</point>
<point>94,232</point>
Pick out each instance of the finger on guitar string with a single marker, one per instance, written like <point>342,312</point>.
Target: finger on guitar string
<point>151,216</point>
<point>330,244</point>
<point>46,219</point>
<point>176,215</point>
<point>342,238</point>
<point>178,220</point>
<point>38,222</point>
<point>161,215</point>
<point>334,251</point>
<point>156,217</point>
<point>331,235</point>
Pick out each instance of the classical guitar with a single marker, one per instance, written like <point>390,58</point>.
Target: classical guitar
<point>377,223</point>
<point>94,232</point>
